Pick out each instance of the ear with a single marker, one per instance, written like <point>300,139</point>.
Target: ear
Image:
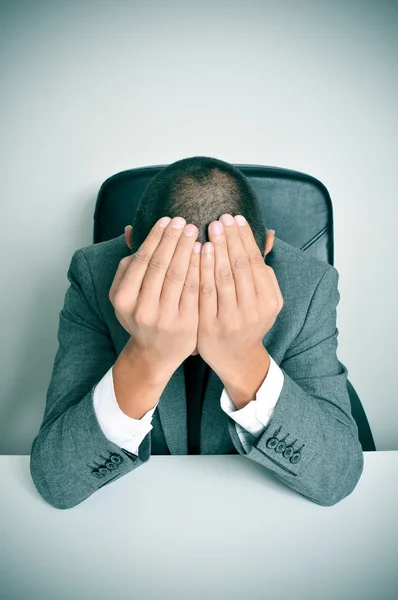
<point>128,231</point>
<point>269,241</point>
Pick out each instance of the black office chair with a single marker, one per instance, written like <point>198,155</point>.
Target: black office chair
<point>296,205</point>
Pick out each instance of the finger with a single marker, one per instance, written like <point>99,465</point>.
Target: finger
<point>119,275</point>
<point>176,274</point>
<point>240,265</point>
<point>223,275</point>
<point>207,288</point>
<point>259,270</point>
<point>189,302</point>
<point>137,268</point>
<point>159,263</point>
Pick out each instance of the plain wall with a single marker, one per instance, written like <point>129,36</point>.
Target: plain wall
<point>92,88</point>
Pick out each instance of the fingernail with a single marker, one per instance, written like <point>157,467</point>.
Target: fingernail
<point>164,221</point>
<point>178,222</point>
<point>189,229</point>
<point>217,227</point>
<point>240,220</point>
<point>208,248</point>
<point>227,219</point>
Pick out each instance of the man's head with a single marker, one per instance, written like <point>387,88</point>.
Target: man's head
<point>200,189</point>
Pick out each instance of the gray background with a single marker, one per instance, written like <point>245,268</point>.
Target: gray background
<point>91,88</point>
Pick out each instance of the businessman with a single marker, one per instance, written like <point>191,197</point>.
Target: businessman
<point>197,331</point>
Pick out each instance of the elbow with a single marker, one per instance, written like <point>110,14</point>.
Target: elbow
<point>344,486</point>
<point>51,493</point>
<point>54,500</point>
<point>43,489</point>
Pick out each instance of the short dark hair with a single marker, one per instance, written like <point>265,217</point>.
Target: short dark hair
<point>199,189</point>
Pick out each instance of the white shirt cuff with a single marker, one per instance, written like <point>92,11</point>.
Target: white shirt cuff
<point>118,427</point>
<point>255,416</point>
<point>128,433</point>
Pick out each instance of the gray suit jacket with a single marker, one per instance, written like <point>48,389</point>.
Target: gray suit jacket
<point>71,458</point>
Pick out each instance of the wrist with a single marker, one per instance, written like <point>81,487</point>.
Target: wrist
<point>244,380</point>
<point>151,369</point>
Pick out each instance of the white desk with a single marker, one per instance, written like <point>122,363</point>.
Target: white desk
<point>208,527</point>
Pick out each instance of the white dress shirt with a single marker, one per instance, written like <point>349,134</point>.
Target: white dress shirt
<point>128,433</point>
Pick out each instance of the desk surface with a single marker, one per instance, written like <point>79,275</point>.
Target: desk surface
<point>190,527</point>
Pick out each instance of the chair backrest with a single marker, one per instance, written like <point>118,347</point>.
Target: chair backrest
<point>296,205</point>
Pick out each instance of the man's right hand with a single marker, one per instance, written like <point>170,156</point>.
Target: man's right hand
<point>155,294</point>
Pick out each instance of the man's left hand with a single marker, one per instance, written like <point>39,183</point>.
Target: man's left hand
<point>239,297</point>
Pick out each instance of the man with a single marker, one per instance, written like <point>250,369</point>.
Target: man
<point>165,350</point>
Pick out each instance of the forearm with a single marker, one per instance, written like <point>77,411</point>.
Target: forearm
<point>330,457</point>
<point>138,382</point>
<point>67,452</point>
<point>243,381</point>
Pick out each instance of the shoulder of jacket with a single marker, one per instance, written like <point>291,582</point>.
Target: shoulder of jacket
<point>284,256</point>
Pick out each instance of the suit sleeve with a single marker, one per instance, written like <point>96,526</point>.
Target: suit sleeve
<point>311,442</point>
<point>71,457</point>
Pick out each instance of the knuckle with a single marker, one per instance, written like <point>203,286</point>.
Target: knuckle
<point>174,274</point>
<point>141,256</point>
<point>206,289</point>
<point>191,285</point>
<point>171,233</point>
<point>156,263</point>
<point>207,265</point>
<point>234,234</point>
<point>140,316</point>
<point>256,259</point>
<point>245,233</point>
<point>241,262</point>
<point>224,276</point>
<point>219,242</point>
<point>120,302</point>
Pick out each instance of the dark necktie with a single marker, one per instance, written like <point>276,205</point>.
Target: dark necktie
<point>196,372</point>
